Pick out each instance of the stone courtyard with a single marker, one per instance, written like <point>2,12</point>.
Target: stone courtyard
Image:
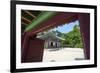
<point>63,54</point>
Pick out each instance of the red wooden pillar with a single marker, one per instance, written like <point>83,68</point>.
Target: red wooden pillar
<point>84,20</point>
<point>32,49</point>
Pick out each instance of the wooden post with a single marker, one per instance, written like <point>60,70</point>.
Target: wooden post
<point>32,49</point>
<point>84,20</point>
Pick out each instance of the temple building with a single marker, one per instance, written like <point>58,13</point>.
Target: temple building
<point>51,39</point>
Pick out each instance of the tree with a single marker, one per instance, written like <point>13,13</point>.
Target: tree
<point>73,38</point>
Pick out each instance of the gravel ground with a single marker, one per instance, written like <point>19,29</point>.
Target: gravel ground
<point>63,54</point>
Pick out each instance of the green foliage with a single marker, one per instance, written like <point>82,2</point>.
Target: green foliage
<point>73,38</point>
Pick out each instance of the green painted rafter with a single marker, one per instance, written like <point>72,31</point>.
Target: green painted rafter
<point>41,18</point>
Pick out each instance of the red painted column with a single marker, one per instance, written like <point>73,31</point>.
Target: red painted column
<point>32,49</point>
<point>84,20</point>
<point>24,46</point>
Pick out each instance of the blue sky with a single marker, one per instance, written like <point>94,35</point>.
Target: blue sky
<point>67,27</point>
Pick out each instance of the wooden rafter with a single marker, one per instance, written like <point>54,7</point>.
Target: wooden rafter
<point>24,23</point>
<point>26,19</point>
<point>30,13</point>
<point>42,17</point>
